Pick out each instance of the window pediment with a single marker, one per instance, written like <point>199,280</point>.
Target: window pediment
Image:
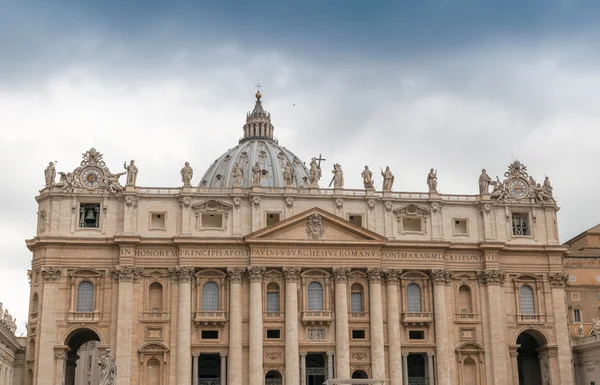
<point>155,273</point>
<point>469,347</point>
<point>413,210</point>
<point>212,206</point>
<point>86,273</point>
<point>210,273</point>
<point>153,347</point>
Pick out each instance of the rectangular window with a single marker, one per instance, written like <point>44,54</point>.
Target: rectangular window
<point>520,224</point>
<point>273,334</point>
<point>460,227</point>
<point>416,334</point>
<point>576,315</point>
<point>412,224</point>
<point>157,221</point>
<point>572,278</point>
<point>598,278</point>
<point>575,297</point>
<point>358,334</point>
<point>355,220</point>
<point>210,334</point>
<point>272,219</point>
<point>272,301</point>
<point>89,215</point>
<point>212,221</point>
<point>356,302</point>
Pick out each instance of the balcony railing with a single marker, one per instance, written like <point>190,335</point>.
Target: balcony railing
<point>210,317</point>
<point>586,339</point>
<point>273,315</point>
<point>418,380</point>
<point>531,318</point>
<point>358,316</point>
<point>153,316</point>
<point>467,317</point>
<point>84,316</point>
<point>209,381</point>
<point>417,318</point>
<point>316,317</point>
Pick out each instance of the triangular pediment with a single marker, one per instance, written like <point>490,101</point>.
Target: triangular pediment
<point>315,226</point>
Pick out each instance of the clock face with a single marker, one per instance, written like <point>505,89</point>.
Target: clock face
<point>518,188</point>
<point>91,177</point>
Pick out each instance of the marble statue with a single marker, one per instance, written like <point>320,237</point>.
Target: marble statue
<point>50,174</point>
<point>432,181</point>
<point>256,174</point>
<point>288,175</point>
<point>187,172</point>
<point>580,330</point>
<point>596,326</point>
<point>113,184</point>
<point>67,180</point>
<point>388,179</point>
<point>315,172</point>
<point>484,182</point>
<point>547,186</point>
<point>238,175</point>
<point>132,172</point>
<point>338,176</point>
<point>367,176</point>
<point>108,368</point>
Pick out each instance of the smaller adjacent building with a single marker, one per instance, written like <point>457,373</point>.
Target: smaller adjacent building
<point>582,264</point>
<point>12,350</point>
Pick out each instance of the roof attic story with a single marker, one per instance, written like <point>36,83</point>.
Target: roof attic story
<point>259,164</point>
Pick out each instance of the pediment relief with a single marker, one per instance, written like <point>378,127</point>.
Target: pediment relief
<point>315,225</point>
<point>315,273</point>
<point>210,273</point>
<point>527,278</point>
<point>212,205</point>
<point>153,347</point>
<point>414,275</point>
<point>86,273</point>
<point>469,347</point>
<point>464,277</point>
<point>411,210</point>
<point>273,274</point>
<point>357,274</point>
<point>155,273</point>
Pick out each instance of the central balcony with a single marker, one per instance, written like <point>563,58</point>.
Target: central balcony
<point>84,316</point>
<point>417,319</point>
<point>210,318</point>
<point>316,317</point>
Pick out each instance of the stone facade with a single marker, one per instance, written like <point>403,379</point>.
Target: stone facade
<point>12,351</point>
<point>273,280</point>
<point>582,264</point>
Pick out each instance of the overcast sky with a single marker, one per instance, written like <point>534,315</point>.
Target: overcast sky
<point>454,85</point>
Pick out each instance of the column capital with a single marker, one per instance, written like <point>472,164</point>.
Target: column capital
<point>303,354</point>
<point>329,354</point>
<point>195,354</point>
<point>291,273</point>
<point>223,354</point>
<point>558,279</point>
<point>51,274</point>
<point>340,274</point>
<point>491,277</point>
<point>440,277</point>
<point>181,273</point>
<point>235,274</point>
<point>374,274</point>
<point>430,354</point>
<point>255,273</point>
<point>392,276</point>
<point>126,273</point>
<point>405,354</point>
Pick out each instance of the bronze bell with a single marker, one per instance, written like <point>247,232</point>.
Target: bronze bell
<point>90,215</point>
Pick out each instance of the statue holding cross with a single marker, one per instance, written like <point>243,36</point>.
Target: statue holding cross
<point>315,171</point>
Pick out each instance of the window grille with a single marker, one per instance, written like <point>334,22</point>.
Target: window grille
<point>273,301</point>
<point>526,298</point>
<point>577,315</point>
<point>315,296</point>
<point>85,297</point>
<point>357,302</point>
<point>520,224</point>
<point>210,297</point>
<point>413,298</point>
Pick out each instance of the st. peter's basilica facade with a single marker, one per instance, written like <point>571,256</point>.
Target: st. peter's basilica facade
<point>259,276</point>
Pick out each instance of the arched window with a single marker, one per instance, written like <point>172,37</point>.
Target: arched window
<point>356,298</point>
<point>155,297</point>
<point>465,302</point>
<point>85,297</point>
<point>315,296</point>
<point>359,374</point>
<point>273,297</point>
<point>470,371</point>
<point>153,372</point>
<point>526,299</point>
<point>210,297</point>
<point>273,377</point>
<point>34,303</point>
<point>413,298</point>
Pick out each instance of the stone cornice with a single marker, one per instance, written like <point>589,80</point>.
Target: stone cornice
<point>127,273</point>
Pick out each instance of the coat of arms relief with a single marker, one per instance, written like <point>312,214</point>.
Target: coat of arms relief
<point>315,226</point>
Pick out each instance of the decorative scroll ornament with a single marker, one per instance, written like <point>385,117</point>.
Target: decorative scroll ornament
<point>185,202</point>
<point>558,279</point>
<point>51,273</point>
<point>291,273</point>
<point>289,202</point>
<point>256,202</point>
<point>131,201</point>
<point>181,273</point>
<point>491,277</point>
<point>440,277</point>
<point>315,227</point>
<point>127,273</point>
<point>519,185</point>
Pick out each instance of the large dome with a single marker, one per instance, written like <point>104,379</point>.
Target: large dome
<point>271,157</point>
<point>258,145</point>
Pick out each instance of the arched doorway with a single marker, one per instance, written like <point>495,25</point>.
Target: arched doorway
<point>81,343</point>
<point>273,377</point>
<point>528,360</point>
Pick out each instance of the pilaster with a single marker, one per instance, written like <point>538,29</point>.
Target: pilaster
<point>558,281</point>
<point>183,275</point>
<point>376,317</point>
<point>292,366</point>
<point>445,355</point>
<point>342,340</point>
<point>255,274</point>
<point>393,327</point>
<point>47,329</point>
<point>235,367</point>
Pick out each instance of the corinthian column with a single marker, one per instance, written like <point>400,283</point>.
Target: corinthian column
<point>342,341</point>
<point>183,275</point>
<point>292,367</point>
<point>125,275</point>
<point>47,329</point>
<point>234,369</point>
<point>558,281</point>
<point>393,324</point>
<point>377,342</point>
<point>440,278</point>
<point>494,280</point>
<point>255,274</point>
